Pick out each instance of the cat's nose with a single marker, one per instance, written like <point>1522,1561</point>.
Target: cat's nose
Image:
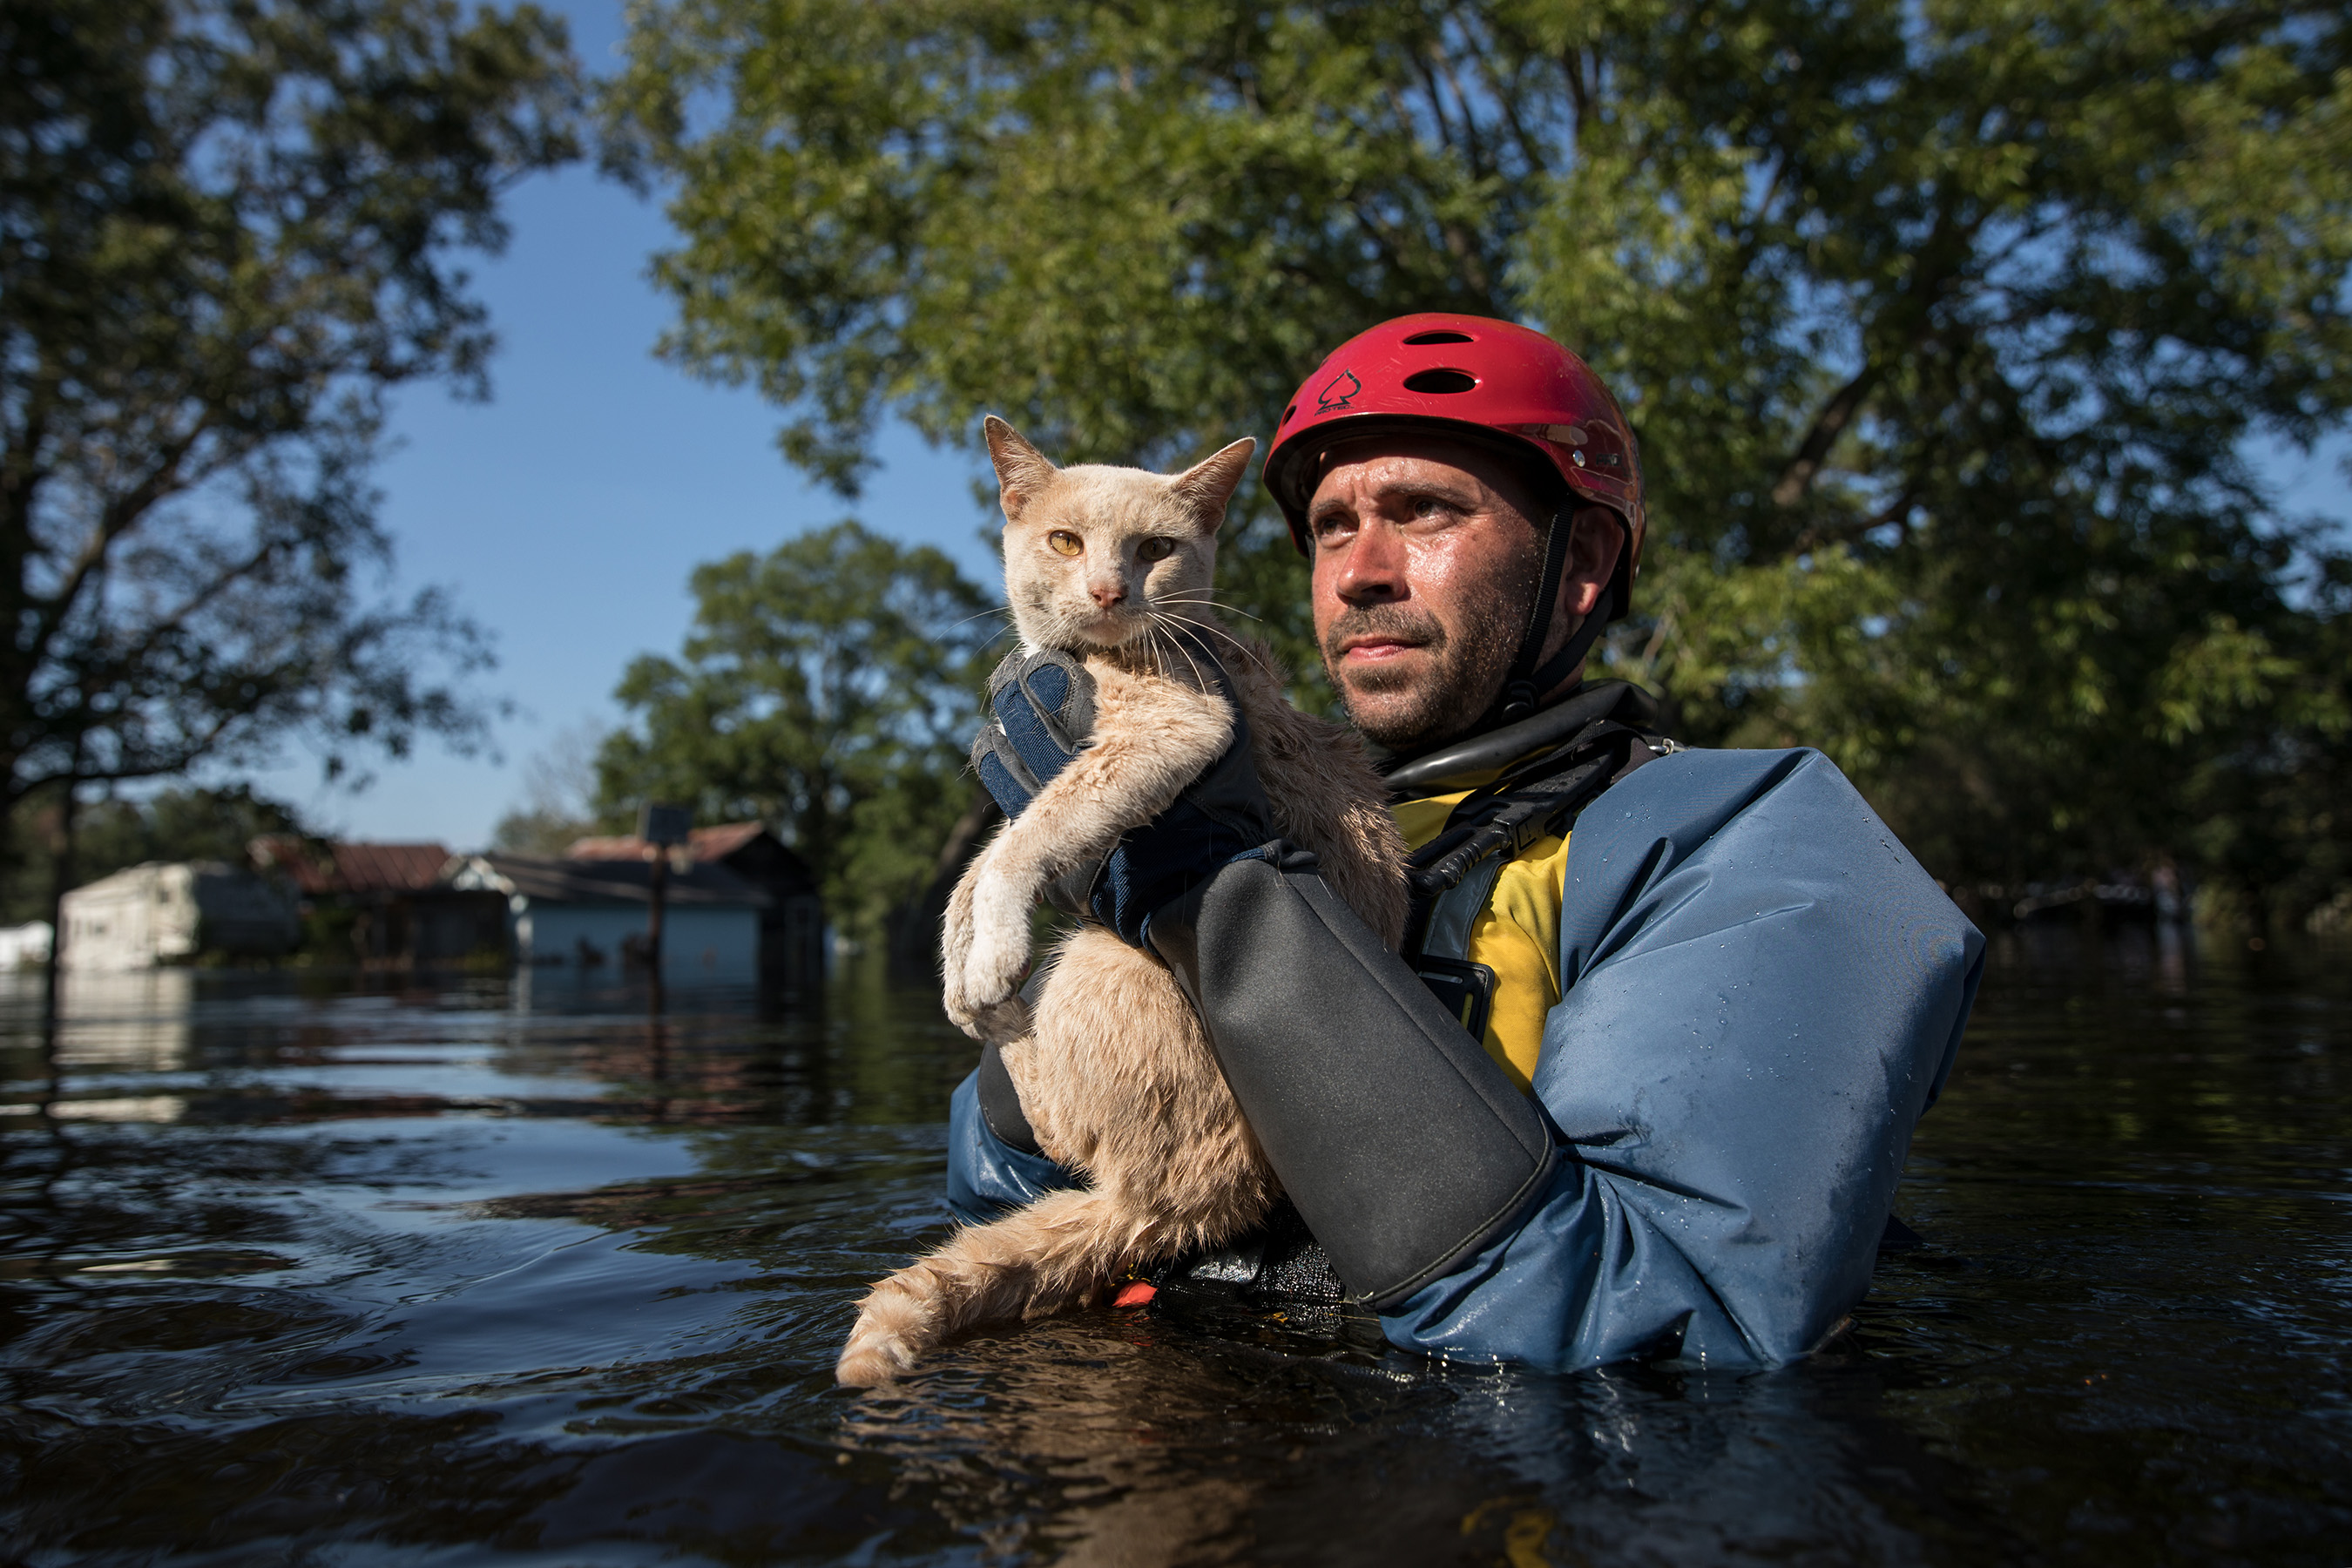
<point>1108,595</point>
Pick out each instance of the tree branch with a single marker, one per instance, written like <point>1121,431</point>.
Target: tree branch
<point>118,518</point>
<point>1937,260</point>
<point>1474,142</point>
<point>1831,423</point>
<point>1436,99</point>
<point>1845,533</point>
<point>1580,96</point>
<point>1472,265</point>
<point>166,625</point>
<point>1508,101</point>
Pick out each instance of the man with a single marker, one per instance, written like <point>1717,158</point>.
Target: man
<point>1643,1082</point>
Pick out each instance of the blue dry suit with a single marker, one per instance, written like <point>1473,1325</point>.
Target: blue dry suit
<point>1761,992</point>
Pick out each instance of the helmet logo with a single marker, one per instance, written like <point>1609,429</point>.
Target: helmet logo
<point>1337,393</point>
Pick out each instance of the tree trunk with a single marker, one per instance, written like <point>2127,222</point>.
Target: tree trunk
<point>61,858</point>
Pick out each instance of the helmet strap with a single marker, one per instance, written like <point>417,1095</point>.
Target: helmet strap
<point>1523,688</point>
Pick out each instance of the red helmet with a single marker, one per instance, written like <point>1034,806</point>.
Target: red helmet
<point>1489,381</point>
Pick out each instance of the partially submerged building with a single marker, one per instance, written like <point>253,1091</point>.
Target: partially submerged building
<point>165,912</point>
<point>587,915</point>
<point>388,905</point>
<point>791,925</point>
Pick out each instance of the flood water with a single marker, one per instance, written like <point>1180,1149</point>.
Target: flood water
<point>298,1271</point>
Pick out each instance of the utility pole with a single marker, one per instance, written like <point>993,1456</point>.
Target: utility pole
<point>661,827</point>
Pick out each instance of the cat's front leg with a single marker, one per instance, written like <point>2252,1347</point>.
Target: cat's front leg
<point>986,947</point>
<point>1152,736</point>
<point>997,960</point>
<point>955,947</point>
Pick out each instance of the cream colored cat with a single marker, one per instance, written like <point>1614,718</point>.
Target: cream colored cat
<point>1114,1072</point>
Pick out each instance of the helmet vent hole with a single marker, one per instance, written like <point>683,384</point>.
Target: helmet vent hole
<point>1439,337</point>
<point>1440,381</point>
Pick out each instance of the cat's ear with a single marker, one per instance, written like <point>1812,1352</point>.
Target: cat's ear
<point>1208,485</point>
<point>1022,470</point>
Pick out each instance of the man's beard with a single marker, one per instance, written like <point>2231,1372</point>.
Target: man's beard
<point>1448,697</point>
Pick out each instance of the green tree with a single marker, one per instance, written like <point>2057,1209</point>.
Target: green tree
<point>227,229</point>
<point>828,687</point>
<point>1946,327</point>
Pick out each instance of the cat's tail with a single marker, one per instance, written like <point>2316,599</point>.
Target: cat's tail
<point>1055,1254</point>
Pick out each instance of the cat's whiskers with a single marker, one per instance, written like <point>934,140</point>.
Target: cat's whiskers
<point>1206,602</point>
<point>1151,644</point>
<point>1246,651</point>
<point>948,630</point>
<point>1201,680</point>
<point>991,610</point>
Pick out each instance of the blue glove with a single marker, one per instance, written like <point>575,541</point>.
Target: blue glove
<point>1042,713</point>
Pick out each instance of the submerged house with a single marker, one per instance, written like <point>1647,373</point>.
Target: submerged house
<point>164,913</point>
<point>791,926</point>
<point>390,902</point>
<point>588,915</point>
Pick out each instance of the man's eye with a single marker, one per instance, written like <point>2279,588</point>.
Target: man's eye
<point>1156,549</point>
<point>1065,542</point>
<point>1428,506</point>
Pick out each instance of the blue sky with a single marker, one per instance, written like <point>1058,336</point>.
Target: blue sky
<point>568,512</point>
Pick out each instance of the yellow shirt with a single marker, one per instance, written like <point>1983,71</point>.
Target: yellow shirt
<point>1516,935</point>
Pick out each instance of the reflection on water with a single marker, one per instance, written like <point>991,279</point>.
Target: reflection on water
<point>481,1273</point>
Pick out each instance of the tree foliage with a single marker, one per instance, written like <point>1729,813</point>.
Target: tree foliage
<point>227,228</point>
<point>1946,328</point>
<point>828,687</point>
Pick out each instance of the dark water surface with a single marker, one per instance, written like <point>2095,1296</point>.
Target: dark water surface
<point>303,1273</point>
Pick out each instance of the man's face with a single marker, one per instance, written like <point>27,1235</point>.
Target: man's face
<point>1426,553</point>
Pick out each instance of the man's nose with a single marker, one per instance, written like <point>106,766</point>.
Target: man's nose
<point>1108,593</point>
<point>1373,571</point>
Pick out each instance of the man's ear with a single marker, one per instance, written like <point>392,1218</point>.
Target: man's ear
<point>1208,484</point>
<point>1021,469</point>
<point>1592,552</point>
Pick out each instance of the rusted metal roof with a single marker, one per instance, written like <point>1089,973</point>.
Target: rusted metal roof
<point>389,867</point>
<point>705,844</point>
<point>718,842</point>
<point>622,846</point>
<point>353,867</point>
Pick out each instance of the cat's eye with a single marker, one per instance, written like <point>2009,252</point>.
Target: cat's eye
<point>1065,542</point>
<point>1156,549</point>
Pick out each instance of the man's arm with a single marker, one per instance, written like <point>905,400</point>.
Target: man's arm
<point>1763,992</point>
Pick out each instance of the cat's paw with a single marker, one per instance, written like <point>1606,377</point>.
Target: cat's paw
<point>983,998</point>
<point>959,1015</point>
<point>996,964</point>
<point>871,1364</point>
<point>997,1014</point>
<point>986,1020</point>
<point>895,1321</point>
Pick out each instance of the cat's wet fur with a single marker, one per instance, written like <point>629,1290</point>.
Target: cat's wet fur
<point>1113,1071</point>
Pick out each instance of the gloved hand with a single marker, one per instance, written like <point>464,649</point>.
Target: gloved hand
<point>1041,713</point>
